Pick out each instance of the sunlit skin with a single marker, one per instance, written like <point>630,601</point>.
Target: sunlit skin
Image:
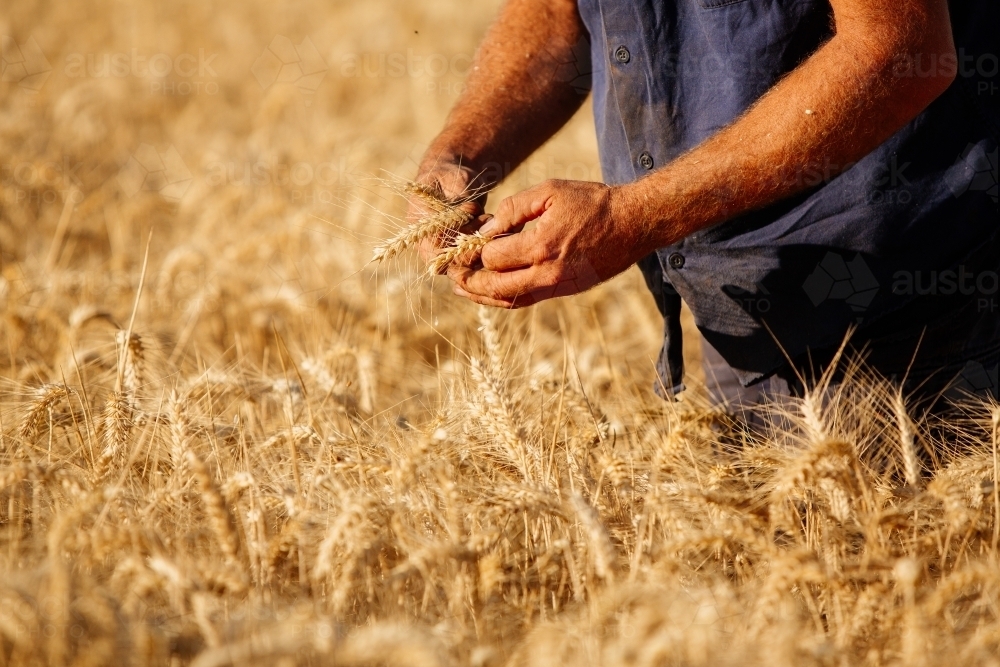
<point>835,108</point>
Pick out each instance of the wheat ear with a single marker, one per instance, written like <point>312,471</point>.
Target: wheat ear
<point>219,515</point>
<point>117,428</point>
<point>464,244</point>
<point>418,231</point>
<point>907,441</point>
<point>491,342</point>
<point>428,196</point>
<point>132,358</point>
<point>46,397</point>
<point>497,411</point>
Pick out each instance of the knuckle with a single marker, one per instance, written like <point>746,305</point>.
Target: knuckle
<point>551,278</point>
<point>494,288</point>
<point>506,208</point>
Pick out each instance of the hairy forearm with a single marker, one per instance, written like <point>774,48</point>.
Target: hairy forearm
<point>513,100</point>
<point>831,111</point>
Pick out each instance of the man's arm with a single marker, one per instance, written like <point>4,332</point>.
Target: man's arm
<point>834,109</point>
<point>512,101</point>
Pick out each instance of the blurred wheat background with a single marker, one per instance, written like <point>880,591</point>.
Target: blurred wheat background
<point>227,439</point>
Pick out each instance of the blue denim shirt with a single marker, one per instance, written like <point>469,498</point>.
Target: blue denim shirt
<point>795,277</point>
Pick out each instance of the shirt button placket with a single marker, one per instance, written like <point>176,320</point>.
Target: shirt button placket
<point>645,160</point>
<point>622,55</point>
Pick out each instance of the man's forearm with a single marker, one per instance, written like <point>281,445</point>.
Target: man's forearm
<point>513,102</point>
<point>831,111</point>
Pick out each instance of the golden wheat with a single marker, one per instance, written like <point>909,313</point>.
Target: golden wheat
<point>293,458</point>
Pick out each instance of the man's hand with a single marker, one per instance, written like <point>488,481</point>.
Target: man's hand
<point>584,233</point>
<point>455,182</point>
<point>512,102</point>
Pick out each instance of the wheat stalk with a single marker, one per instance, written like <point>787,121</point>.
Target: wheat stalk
<point>464,244</point>
<point>132,358</point>
<point>599,544</point>
<point>907,437</point>
<point>429,197</point>
<point>219,516</point>
<point>117,428</point>
<point>491,342</point>
<point>178,429</point>
<point>45,399</point>
<point>444,218</point>
<point>498,414</point>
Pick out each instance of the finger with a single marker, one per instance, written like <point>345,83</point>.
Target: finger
<point>516,251</point>
<point>523,301</point>
<point>482,300</point>
<point>473,207</point>
<point>503,285</point>
<point>476,224</point>
<point>517,210</point>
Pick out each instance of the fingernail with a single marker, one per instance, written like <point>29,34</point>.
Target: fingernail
<point>489,227</point>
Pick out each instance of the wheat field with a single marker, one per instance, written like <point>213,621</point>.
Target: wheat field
<point>227,437</point>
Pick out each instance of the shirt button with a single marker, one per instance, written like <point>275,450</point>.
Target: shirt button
<point>676,260</point>
<point>646,160</point>
<point>622,55</point>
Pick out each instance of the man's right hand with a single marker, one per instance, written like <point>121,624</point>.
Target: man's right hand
<point>455,182</point>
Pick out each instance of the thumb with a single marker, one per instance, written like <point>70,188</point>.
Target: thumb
<point>515,211</point>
